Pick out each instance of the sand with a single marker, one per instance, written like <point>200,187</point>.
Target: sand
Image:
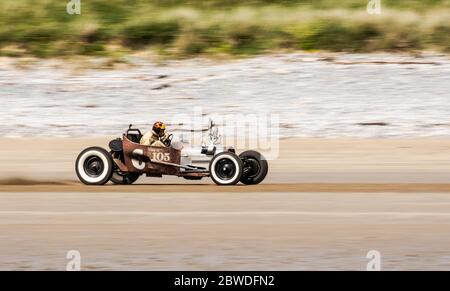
<point>224,231</point>
<point>301,161</point>
<point>326,203</point>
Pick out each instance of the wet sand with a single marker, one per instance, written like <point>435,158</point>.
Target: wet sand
<point>386,161</point>
<point>325,204</point>
<point>65,187</point>
<point>224,231</point>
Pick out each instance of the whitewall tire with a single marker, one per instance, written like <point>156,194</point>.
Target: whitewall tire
<point>94,166</point>
<point>226,169</point>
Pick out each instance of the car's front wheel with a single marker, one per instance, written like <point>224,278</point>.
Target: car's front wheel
<point>94,166</point>
<point>226,169</point>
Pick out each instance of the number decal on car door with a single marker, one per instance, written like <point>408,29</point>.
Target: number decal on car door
<point>162,157</point>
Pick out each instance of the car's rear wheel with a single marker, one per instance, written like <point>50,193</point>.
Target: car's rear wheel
<point>94,166</point>
<point>255,167</point>
<point>226,169</point>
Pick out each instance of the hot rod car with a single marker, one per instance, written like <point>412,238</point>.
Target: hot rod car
<point>127,160</point>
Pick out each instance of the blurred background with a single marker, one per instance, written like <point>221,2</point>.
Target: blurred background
<point>181,28</point>
<point>354,68</point>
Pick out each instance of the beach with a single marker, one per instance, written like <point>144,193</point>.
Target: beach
<point>52,160</point>
<point>361,162</point>
<point>224,231</point>
<point>326,203</point>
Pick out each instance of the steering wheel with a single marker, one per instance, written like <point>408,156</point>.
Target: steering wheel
<point>168,140</point>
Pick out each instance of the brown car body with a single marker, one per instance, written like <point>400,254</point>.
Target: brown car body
<point>153,161</point>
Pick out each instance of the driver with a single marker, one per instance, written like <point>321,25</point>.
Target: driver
<point>157,137</point>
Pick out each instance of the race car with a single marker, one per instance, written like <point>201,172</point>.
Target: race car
<point>127,160</point>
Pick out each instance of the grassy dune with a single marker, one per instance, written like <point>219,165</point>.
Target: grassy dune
<point>182,28</point>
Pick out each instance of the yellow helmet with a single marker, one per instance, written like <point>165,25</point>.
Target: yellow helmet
<point>159,128</point>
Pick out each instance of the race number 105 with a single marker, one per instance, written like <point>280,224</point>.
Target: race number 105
<point>163,157</point>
